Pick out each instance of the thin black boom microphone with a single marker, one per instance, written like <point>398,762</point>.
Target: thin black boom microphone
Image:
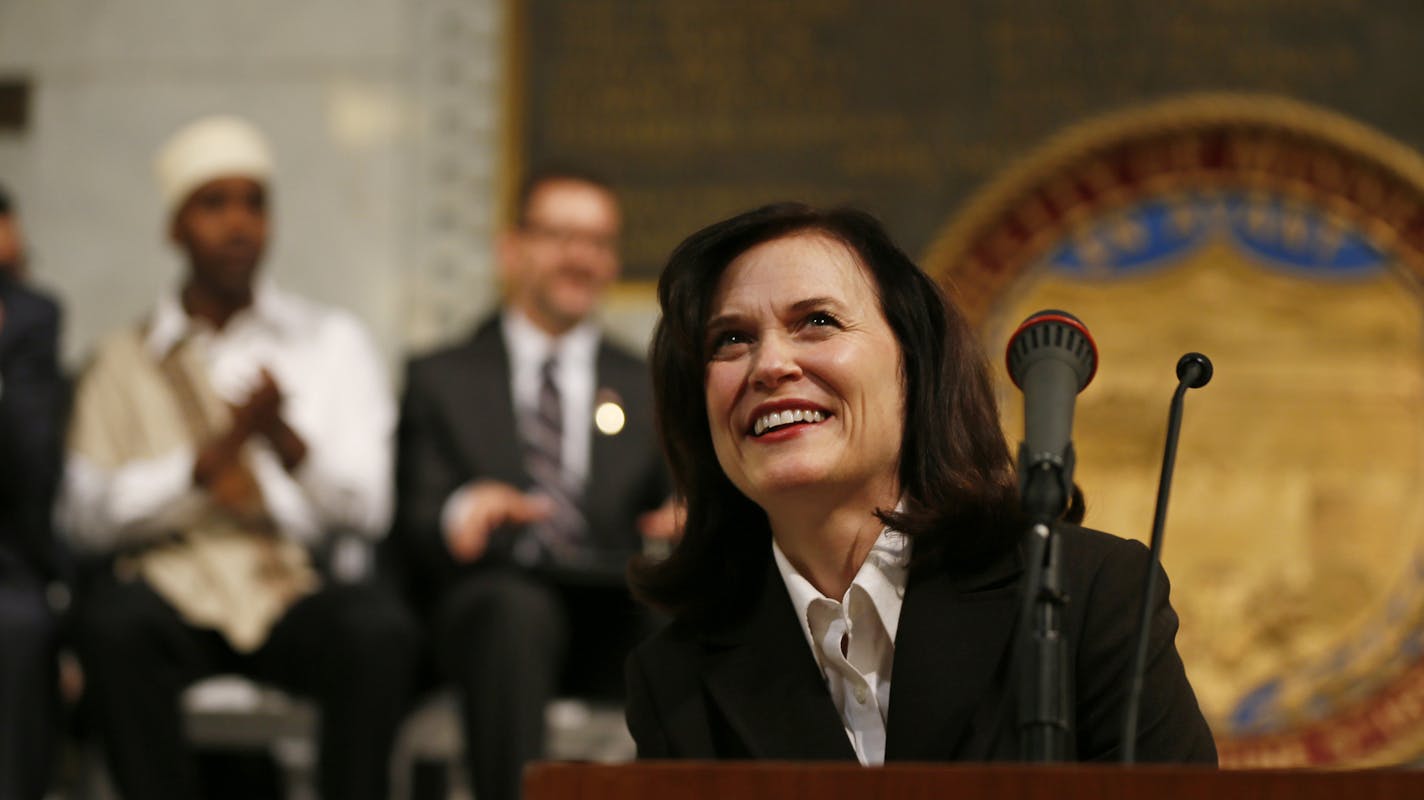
<point>1193,372</point>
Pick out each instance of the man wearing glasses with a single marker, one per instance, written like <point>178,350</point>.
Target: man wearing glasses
<point>528,473</point>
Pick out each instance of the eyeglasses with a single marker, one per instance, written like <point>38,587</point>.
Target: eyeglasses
<point>563,237</point>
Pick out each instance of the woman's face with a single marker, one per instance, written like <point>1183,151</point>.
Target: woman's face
<point>805,392</point>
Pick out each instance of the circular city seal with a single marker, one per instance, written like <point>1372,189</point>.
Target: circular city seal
<point>1287,243</point>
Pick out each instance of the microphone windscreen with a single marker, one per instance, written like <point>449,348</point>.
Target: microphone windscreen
<point>1054,334</point>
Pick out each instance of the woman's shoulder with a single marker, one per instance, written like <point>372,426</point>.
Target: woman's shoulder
<point>699,634</point>
<point>682,639</point>
<point>1102,567</point>
<point>1091,547</point>
<point>669,661</point>
<point>1084,552</point>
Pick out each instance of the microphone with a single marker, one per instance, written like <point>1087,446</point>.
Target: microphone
<point>1193,372</point>
<point>1051,357</point>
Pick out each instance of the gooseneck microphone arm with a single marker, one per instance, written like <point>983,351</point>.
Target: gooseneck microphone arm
<point>1193,372</point>
<point>1051,357</point>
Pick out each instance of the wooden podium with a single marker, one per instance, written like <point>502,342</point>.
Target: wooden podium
<point>823,781</point>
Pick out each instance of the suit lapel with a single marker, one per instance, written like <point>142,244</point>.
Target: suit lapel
<point>7,307</point>
<point>951,648</point>
<point>484,423</point>
<point>766,682</point>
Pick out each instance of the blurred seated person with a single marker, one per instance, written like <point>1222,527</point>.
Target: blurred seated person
<point>213,447</point>
<point>848,580</point>
<point>527,475</point>
<point>31,403</point>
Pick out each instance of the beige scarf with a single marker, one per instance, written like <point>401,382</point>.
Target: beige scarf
<point>229,569</point>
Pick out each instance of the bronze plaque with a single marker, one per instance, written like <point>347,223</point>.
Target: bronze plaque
<point>702,108</point>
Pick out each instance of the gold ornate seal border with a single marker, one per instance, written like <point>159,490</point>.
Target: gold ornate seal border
<point>1188,143</point>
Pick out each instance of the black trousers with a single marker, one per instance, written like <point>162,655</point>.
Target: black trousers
<point>352,648</point>
<point>512,641</point>
<point>28,701</point>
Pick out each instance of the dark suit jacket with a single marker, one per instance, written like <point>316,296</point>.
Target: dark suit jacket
<point>751,689</point>
<point>31,412</point>
<point>458,425</point>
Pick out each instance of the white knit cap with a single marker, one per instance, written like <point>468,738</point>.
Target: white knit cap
<point>207,149</point>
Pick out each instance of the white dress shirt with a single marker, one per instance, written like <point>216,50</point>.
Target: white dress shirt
<point>335,396</point>
<point>576,367</point>
<point>853,640</point>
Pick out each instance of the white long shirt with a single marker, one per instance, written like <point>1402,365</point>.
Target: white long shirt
<point>336,396</point>
<point>853,640</point>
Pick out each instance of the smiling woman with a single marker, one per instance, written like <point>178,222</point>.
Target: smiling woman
<point>805,398</point>
<point>828,417</point>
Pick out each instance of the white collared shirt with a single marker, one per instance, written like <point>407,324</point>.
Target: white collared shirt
<point>335,396</point>
<point>853,640</point>
<point>528,347</point>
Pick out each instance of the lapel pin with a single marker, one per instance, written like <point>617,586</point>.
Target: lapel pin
<point>608,415</point>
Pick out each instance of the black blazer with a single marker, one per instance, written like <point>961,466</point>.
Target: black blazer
<point>751,689</point>
<point>458,424</point>
<point>31,417</point>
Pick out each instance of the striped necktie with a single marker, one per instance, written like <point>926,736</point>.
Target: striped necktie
<point>543,431</point>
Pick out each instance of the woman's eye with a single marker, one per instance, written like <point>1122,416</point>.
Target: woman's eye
<point>728,341</point>
<point>823,319</point>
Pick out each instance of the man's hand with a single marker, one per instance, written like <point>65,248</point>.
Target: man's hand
<point>262,411</point>
<point>218,468</point>
<point>491,504</point>
<point>289,444</point>
<point>235,489</point>
<point>664,523</point>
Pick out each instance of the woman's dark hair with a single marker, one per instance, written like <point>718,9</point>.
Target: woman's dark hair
<point>956,476</point>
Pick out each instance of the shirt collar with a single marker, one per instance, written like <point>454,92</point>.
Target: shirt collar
<point>170,323</point>
<point>529,344</point>
<point>882,577</point>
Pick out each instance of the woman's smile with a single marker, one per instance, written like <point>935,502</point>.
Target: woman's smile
<point>785,415</point>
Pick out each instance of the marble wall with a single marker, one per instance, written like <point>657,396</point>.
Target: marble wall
<point>386,117</point>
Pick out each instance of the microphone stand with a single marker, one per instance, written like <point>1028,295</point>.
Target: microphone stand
<point>1052,357</point>
<point>1045,488</point>
<point>1193,372</point>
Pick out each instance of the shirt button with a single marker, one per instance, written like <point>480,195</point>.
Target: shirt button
<point>860,695</point>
